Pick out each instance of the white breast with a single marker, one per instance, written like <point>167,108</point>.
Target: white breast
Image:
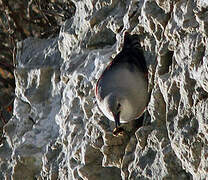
<point>131,85</point>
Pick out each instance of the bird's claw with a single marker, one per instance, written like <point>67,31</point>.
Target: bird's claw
<point>118,131</point>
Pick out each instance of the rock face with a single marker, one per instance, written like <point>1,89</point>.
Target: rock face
<point>57,130</point>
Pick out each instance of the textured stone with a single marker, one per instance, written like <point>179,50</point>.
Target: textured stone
<point>57,130</point>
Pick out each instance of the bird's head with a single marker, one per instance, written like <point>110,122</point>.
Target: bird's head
<point>114,104</point>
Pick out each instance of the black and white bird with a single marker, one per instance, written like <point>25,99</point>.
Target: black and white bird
<point>122,89</point>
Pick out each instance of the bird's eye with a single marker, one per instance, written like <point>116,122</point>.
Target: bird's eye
<point>118,107</point>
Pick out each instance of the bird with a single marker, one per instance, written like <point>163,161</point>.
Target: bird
<point>122,90</point>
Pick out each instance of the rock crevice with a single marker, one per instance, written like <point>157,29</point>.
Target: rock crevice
<point>57,130</point>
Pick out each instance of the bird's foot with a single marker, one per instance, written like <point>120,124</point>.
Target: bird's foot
<point>118,131</point>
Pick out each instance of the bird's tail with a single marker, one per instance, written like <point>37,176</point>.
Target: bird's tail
<point>131,41</point>
<point>133,48</point>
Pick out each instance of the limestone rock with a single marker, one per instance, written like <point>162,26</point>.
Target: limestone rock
<point>57,130</point>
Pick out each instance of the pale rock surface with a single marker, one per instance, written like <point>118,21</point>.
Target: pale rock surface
<point>58,132</point>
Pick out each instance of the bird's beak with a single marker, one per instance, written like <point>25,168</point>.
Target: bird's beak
<point>117,119</point>
<point>118,131</point>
